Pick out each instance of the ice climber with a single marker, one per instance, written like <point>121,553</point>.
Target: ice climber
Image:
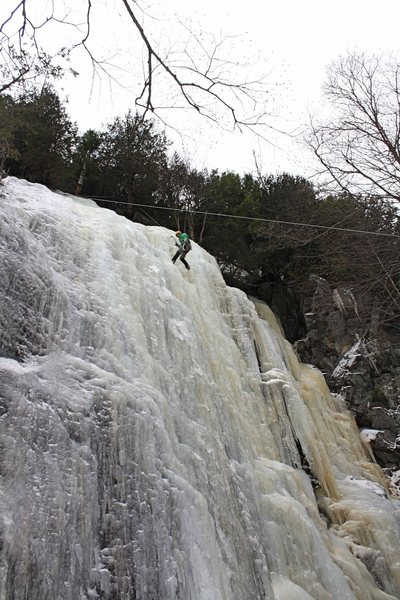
<point>184,247</point>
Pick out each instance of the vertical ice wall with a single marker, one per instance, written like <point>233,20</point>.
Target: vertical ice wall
<point>159,439</point>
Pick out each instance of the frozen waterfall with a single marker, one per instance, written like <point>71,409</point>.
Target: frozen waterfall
<point>159,438</point>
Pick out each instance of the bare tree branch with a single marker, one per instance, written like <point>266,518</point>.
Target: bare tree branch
<point>359,147</point>
<point>197,75</point>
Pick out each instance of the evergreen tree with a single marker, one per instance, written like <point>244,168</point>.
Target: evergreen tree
<point>86,163</point>
<point>7,126</point>
<point>44,139</point>
<point>181,189</point>
<point>131,156</point>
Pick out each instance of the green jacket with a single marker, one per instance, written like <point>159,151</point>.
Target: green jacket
<point>185,242</point>
<point>183,237</point>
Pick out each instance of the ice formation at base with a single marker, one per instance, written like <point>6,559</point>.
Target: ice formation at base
<point>159,438</point>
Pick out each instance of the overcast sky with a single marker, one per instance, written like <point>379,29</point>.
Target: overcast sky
<point>291,40</point>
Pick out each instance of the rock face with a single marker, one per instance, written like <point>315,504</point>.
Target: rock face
<point>359,362</point>
<point>284,303</point>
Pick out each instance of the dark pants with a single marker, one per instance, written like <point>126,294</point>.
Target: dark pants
<point>181,254</point>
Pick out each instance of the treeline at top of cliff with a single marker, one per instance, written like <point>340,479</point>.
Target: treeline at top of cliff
<point>266,231</point>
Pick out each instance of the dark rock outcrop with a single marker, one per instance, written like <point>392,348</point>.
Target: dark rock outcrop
<point>285,304</point>
<point>360,361</point>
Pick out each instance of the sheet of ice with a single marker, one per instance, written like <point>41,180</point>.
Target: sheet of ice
<point>153,429</point>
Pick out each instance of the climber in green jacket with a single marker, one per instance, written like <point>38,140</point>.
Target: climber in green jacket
<point>184,247</point>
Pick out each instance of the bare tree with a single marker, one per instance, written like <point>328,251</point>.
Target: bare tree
<point>22,59</point>
<point>359,145</point>
<point>199,75</point>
